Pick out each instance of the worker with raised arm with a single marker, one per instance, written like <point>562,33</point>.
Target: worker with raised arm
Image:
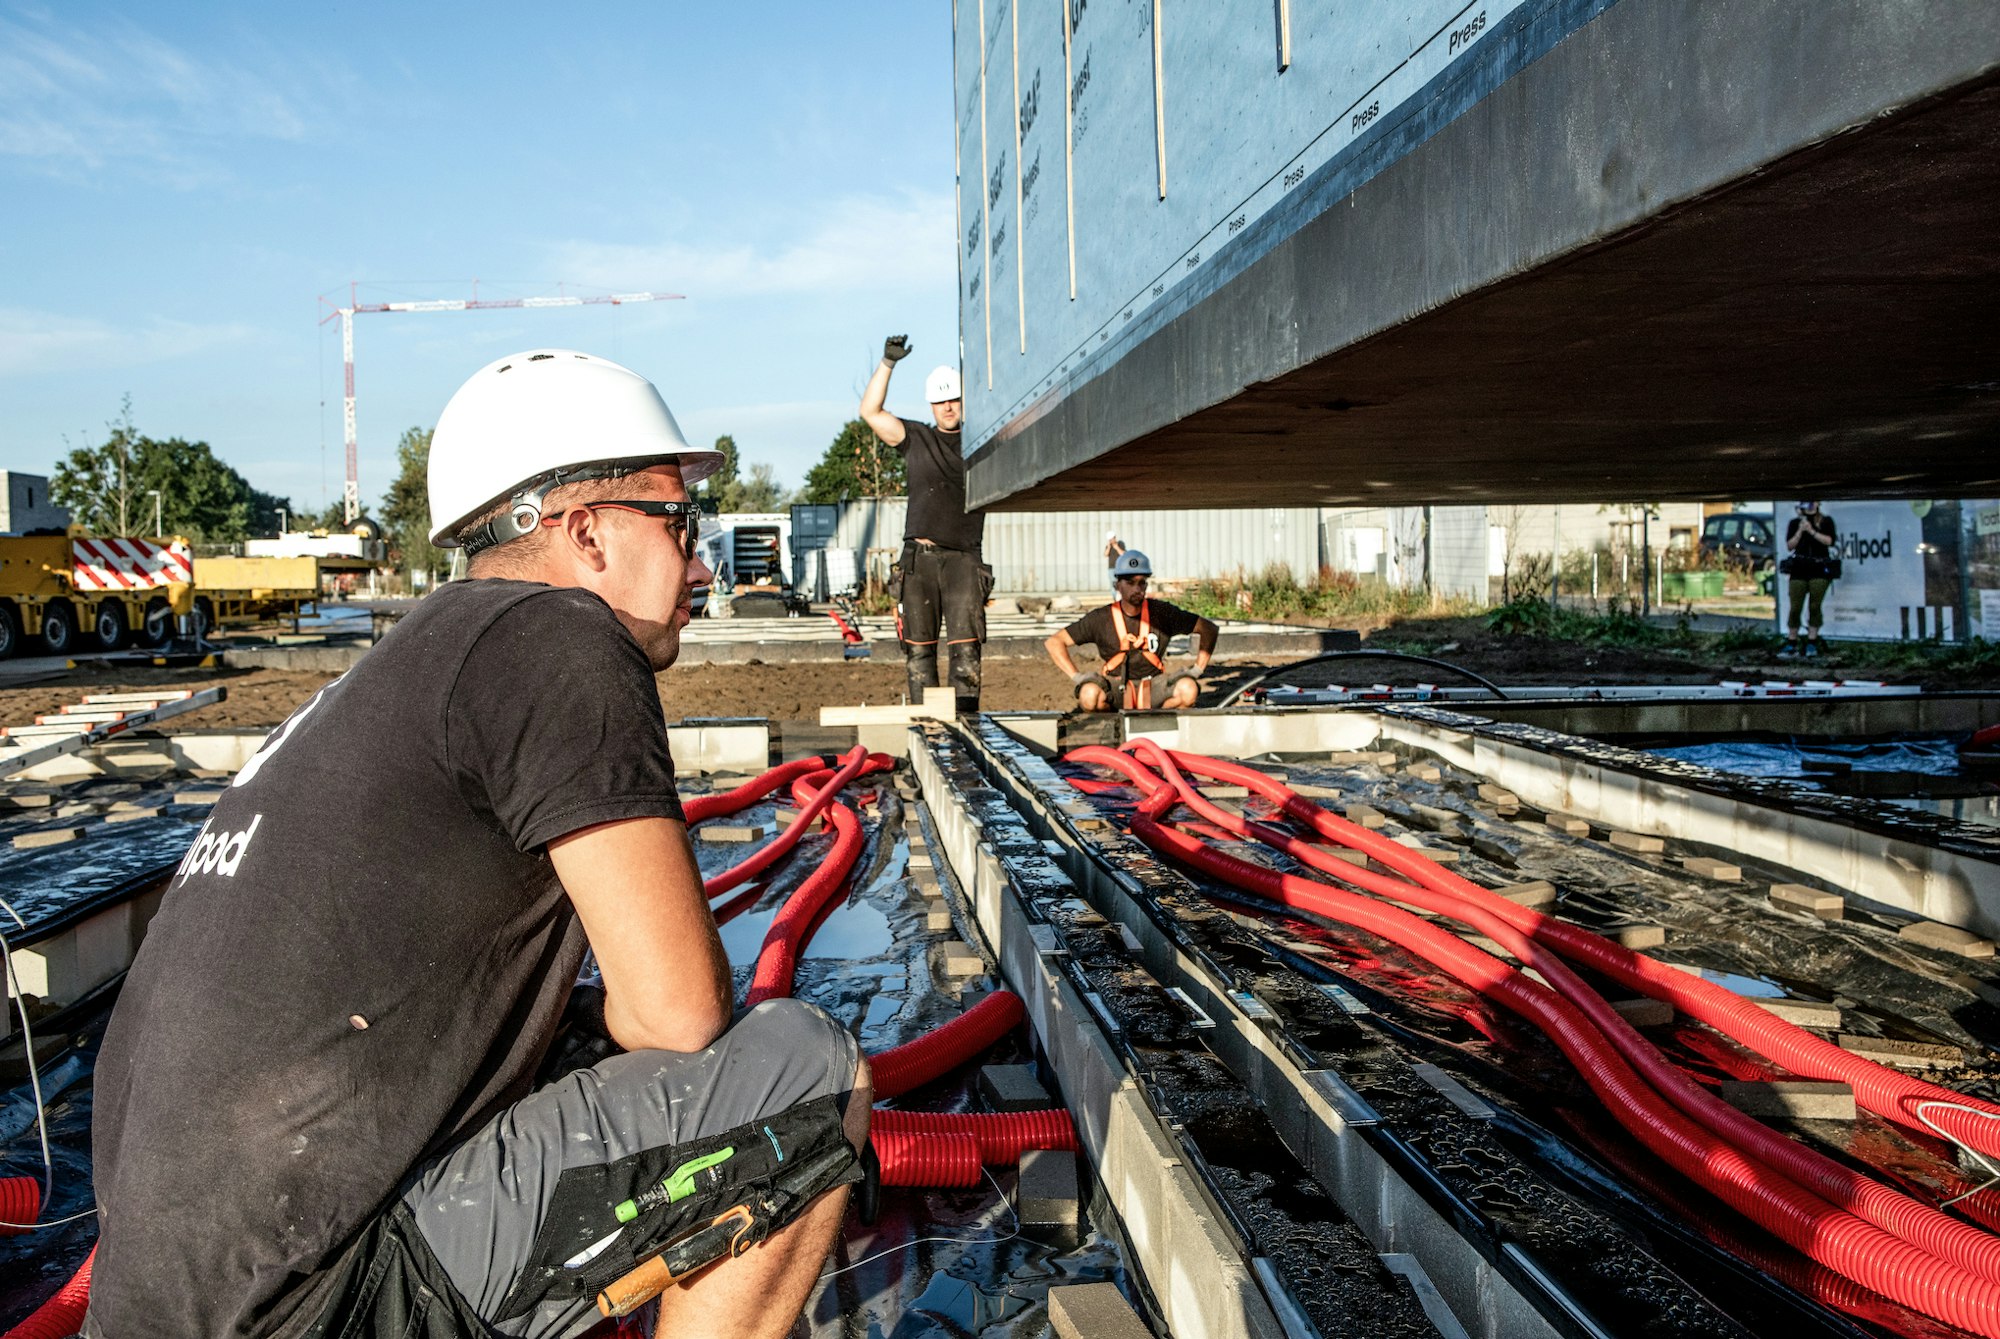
<point>326,1102</point>
<point>944,581</point>
<point>1131,635</point>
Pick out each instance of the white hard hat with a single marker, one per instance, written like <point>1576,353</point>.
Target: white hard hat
<point>941,385</point>
<point>529,422</point>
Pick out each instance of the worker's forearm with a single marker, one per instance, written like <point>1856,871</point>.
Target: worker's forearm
<point>1204,637</point>
<point>877,395</point>
<point>1059,653</point>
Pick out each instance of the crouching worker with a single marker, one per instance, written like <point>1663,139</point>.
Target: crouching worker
<point>318,1110</point>
<point>1130,633</point>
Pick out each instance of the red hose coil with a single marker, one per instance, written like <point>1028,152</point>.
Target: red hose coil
<point>792,928</point>
<point>911,1159</point>
<point>1885,1091</point>
<point>811,799</point>
<point>62,1315</point>
<point>1889,1209</point>
<point>1856,1249</point>
<point>1003,1136</point>
<point>20,1202</point>
<point>941,1050</point>
<point>704,807</point>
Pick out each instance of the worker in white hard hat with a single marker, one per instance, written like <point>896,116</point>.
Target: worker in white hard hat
<point>1131,635</point>
<point>352,1085</point>
<point>942,580</point>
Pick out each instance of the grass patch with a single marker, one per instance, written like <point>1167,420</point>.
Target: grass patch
<point>1275,595</point>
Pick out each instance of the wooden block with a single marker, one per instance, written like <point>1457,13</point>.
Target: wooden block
<point>1226,792</point>
<point>1424,772</point>
<point>960,960</point>
<point>1094,1311</point>
<point>1640,936</point>
<point>1367,815</point>
<point>937,918</point>
<point>28,841</point>
<point>1349,758</point>
<point>1575,827</point>
<point>1443,855</point>
<point>784,818</point>
<point>1644,1012</point>
<point>28,801</point>
<point>131,815</point>
<point>1312,792</point>
<point>1538,893</point>
<point>197,796</point>
<point>1902,1054</point>
<point>1637,841</point>
<point>1801,1013</point>
<point>1798,1099</point>
<point>1951,939</point>
<point>921,860</point>
<point>1499,795</point>
<point>732,832</point>
<point>1350,856</point>
<point>1720,870</point>
<point>76,809</point>
<point>1384,758</point>
<point>1798,897</point>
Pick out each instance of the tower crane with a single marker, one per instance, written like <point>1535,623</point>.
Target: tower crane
<point>351,493</point>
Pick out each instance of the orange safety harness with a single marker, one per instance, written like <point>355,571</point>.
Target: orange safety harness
<point>1138,692</point>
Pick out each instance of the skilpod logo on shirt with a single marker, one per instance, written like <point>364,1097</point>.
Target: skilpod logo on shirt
<point>217,853</point>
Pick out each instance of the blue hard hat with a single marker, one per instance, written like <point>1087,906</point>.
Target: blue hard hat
<point>1131,563</point>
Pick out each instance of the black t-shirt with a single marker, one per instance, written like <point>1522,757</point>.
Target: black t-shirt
<point>937,489</point>
<point>365,954</point>
<point>1167,621</point>
<point>1811,554</point>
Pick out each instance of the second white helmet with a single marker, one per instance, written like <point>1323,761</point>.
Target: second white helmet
<point>941,385</point>
<point>531,421</point>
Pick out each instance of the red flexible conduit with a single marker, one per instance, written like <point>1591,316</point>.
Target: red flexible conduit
<point>62,1315</point>
<point>1895,1268</point>
<point>20,1202</point>
<point>1002,1136</point>
<point>1894,1212</point>
<point>792,927</point>
<point>927,1159</point>
<point>1886,1092</point>
<point>921,1059</point>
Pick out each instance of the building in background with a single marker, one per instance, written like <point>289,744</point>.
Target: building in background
<point>25,505</point>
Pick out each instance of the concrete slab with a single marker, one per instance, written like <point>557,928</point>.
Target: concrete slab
<point>1012,1088</point>
<point>1536,894</point>
<point>1797,1099</point>
<point>28,841</point>
<point>1948,938</point>
<point>1801,1013</point>
<point>1094,1311</point>
<point>1902,1054</point>
<point>1813,901</point>
<point>937,918</point>
<point>1047,1195</point>
<point>957,958</point>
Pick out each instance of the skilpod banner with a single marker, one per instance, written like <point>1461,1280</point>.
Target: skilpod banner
<point>1882,568</point>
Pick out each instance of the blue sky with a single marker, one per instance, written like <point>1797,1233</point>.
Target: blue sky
<point>182,182</point>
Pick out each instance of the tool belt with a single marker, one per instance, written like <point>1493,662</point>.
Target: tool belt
<point>608,1220</point>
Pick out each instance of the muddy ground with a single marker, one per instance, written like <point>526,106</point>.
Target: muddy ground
<point>263,698</point>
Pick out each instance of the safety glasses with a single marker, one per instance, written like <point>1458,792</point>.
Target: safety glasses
<point>682,517</point>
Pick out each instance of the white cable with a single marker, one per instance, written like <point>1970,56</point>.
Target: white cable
<point>1954,1140</point>
<point>34,1069</point>
<point>53,1222</point>
<point>958,1241</point>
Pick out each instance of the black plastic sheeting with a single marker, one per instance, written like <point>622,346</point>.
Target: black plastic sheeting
<point>1548,1117</point>
<point>1924,772</point>
<point>936,1262</point>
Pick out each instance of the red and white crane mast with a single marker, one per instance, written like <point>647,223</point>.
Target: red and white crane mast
<point>351,492</point>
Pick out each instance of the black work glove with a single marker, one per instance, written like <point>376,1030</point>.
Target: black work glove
<point>895,348</point>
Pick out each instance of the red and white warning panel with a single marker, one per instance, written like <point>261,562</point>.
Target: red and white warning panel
<point>128,564</point>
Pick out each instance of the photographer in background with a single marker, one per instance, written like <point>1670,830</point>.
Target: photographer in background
<point>1810,569</point>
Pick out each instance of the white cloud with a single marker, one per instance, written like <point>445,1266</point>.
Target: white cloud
<point>34,343</point>
<point>875,243</point>
<point>77,100</point>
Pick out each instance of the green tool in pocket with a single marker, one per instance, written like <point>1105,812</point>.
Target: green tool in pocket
<point>677,1186</point>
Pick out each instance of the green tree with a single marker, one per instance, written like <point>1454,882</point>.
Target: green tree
<point>108,489</point>
<point>406,508</point>
<point>760,492</point>
<point>857,464</point>
<point>725,475</point>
